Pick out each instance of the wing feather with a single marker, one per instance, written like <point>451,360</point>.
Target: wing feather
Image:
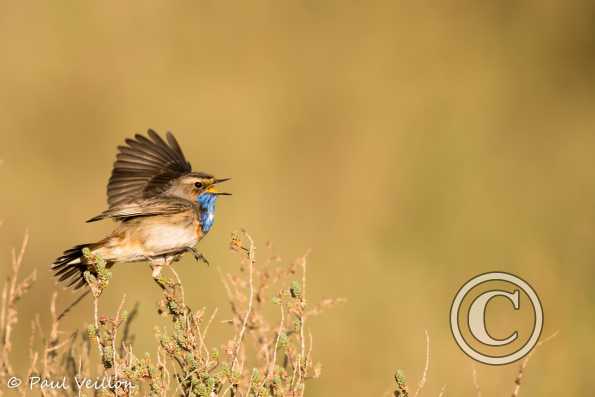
<point>144,167</point>
<point>134,158</point>
<point>144,207</point>
<point>171,139</point>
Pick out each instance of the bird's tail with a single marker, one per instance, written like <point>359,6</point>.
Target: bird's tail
<point>71,266</point>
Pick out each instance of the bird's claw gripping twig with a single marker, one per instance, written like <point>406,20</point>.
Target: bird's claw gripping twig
<point>198,256</point>
<point>156,270</point>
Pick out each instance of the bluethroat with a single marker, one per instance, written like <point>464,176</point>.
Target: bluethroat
<point>161,207</point>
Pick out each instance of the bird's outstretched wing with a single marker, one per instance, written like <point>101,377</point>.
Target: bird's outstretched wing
<point>144,207</point>
<point>144,168</point>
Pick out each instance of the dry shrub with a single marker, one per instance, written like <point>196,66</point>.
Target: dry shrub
<point>263,356</point>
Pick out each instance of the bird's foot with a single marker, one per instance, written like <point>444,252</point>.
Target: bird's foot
<point>156,270</point>
<point>156,274</point>
<point>198,256</point>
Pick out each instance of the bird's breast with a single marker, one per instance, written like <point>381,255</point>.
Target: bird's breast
<point>171,232</point>
<point>147,237</point>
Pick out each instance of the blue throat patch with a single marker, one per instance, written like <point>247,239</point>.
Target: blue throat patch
<point>206,203</point>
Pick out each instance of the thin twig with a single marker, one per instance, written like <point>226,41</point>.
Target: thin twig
<point>252,260</point>
<point>96,319</point>
<point>442,391</point>
<point>424,376</point>
<point>203,334</point>
<point>187,310</point>
<point>51,342</point>
<point>475,381</point>
<point>178,281</point>
<point>11,292</point>
<point>519,376</point>
<point>115,337</point>
<point>302,326</point>
<point>274,360</point>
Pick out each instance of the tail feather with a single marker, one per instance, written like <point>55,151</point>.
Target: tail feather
<point>71,266</point>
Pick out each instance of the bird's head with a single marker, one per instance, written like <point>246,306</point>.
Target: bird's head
<point>204,184</point>
<point>197,184</point>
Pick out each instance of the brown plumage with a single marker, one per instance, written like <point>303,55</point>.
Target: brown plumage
<point>162,208</point>
<point>144,168</point>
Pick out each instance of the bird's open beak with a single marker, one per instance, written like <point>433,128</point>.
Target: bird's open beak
<point>214,191</point>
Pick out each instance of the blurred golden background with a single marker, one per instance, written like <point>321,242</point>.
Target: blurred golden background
<point>410,146</point>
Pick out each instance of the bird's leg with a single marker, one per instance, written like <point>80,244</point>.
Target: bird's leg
<point>198,256</point>
<point>156,266</point>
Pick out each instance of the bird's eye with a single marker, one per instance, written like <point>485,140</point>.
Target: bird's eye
<point>199,185</point>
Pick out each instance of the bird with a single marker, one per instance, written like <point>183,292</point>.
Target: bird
<point>162,209</point>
